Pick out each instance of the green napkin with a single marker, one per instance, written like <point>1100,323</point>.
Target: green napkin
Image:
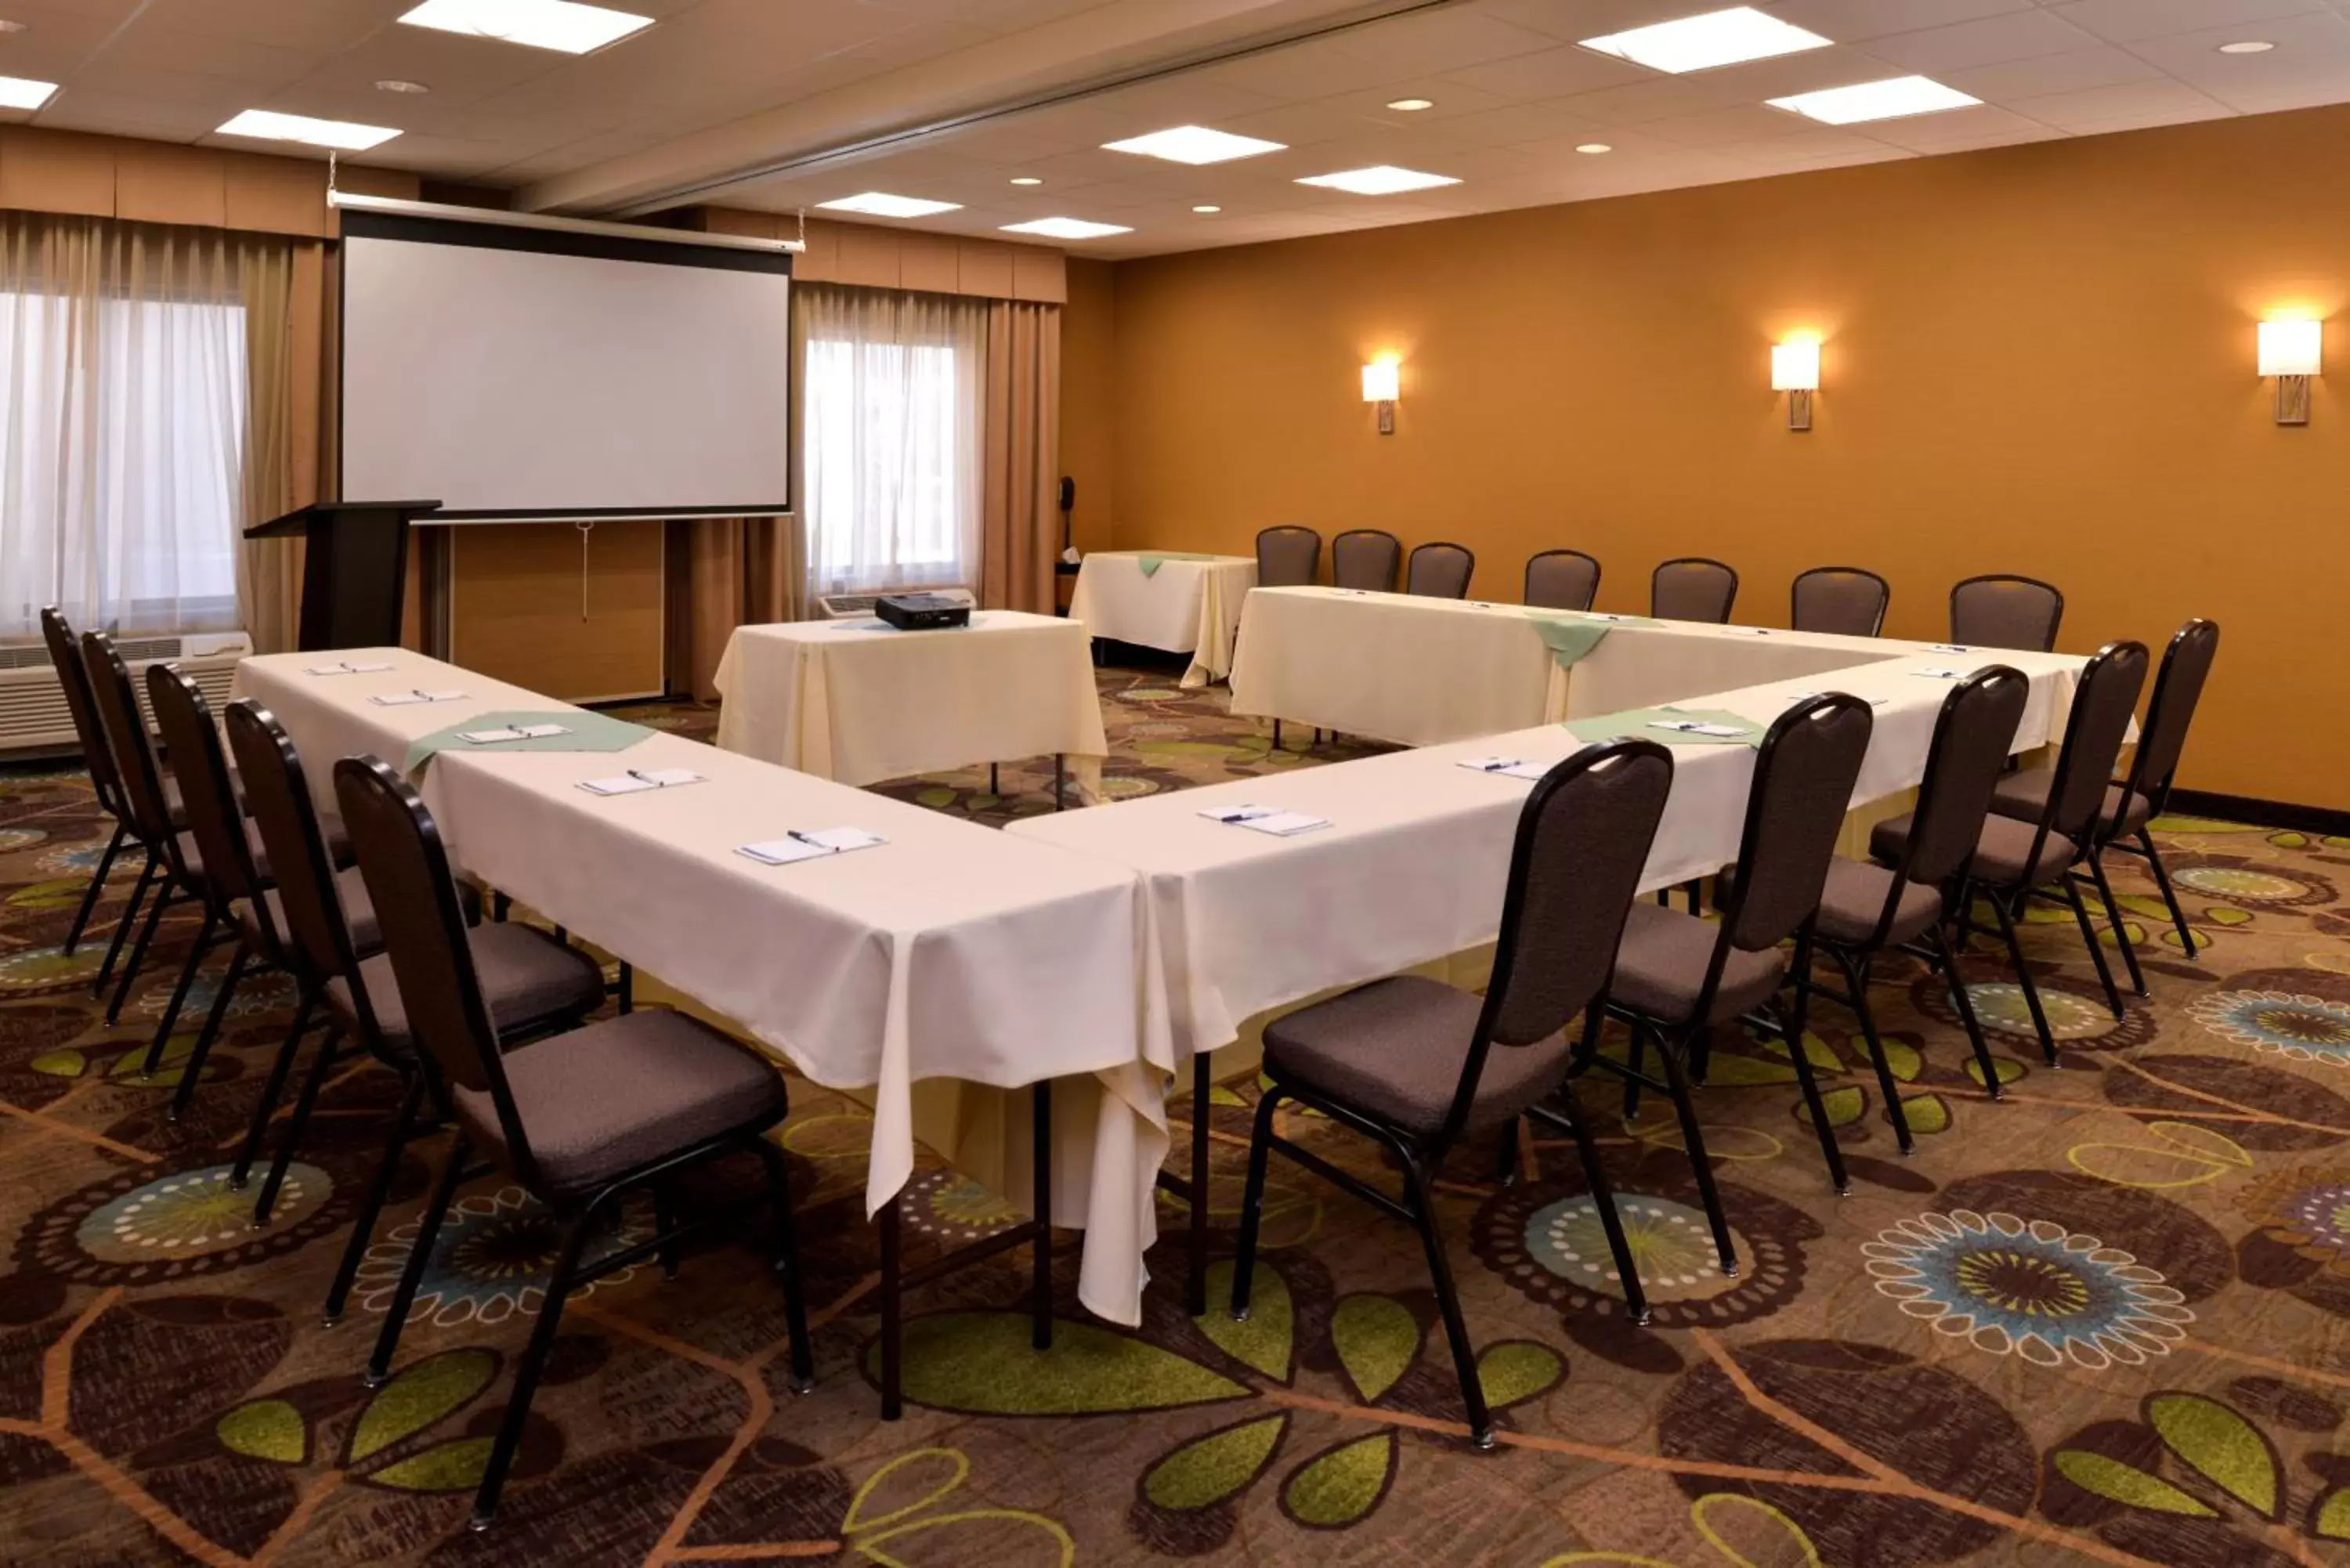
<point>1151,564</point>
<point>588,732</point>
<point>1569,640</point>
<point>1635,723</point>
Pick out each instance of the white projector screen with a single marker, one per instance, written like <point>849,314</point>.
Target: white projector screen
<point>522,372</point>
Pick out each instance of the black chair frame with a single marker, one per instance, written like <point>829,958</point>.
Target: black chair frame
<point>98,756</point>
<point>2158,794</point>
<point>1884,594</point>
<point>2056,621</point>
<point>1410,565</point>
<point>1527,591</point>
<point>1728,603</point>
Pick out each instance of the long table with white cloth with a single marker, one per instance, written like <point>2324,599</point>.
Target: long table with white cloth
<point>1175,602</point>
<point>952,952</point>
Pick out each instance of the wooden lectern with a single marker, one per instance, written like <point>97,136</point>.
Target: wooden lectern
<point>354,571</point>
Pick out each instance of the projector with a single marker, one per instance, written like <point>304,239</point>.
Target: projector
<point>922,612</point>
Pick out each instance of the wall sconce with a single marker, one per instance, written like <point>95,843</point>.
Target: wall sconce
<point>1796,370</point>
<point>2289,352</point>
<point>1382,380</point>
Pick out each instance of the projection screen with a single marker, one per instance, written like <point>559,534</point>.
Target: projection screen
<point>513,372</point>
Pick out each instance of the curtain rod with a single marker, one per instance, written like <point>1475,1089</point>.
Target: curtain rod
<point>445,211</point>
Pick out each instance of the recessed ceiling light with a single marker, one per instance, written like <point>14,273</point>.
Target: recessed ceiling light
<point>22,92</point>
<point>344,136</point>
<point>2247,46</point>
<point>1412,104</point>
<point>881,204</point>
<point>1025,180</point>
<point>1379,180</point>
<point>1067,229</point>
<point>1701,42</point>
<point>1594,147</point>
<point>1207,209</point>
<point>1193,144</point>
<point>394,84</point>
<point>1889,100</point>
<point>563,24</point>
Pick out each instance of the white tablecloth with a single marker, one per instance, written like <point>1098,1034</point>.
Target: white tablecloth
<point>843,700</point>
<point>1183,606</point>
<point>952,952</point>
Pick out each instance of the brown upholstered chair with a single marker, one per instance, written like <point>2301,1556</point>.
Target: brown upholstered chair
<point>1847,600</point>
<point>1415,1064</point>
<point>2004,611</point>
<point>2013,859</point>
<point>1366,559</point>
<point>105,783</point>
<point>1693,587</point>
<point>2138,799</point>
<point>1562,579</point>
<point>1288,556</point>
<point>1676,976</point>
<point>1867,908</point>
<point>577,1120</point>
<point>1439,571</point>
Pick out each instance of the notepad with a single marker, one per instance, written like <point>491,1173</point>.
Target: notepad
<point>1508,767</point>
<point>1949,647</point>
<point>347,667</point>
<point>810,846</point>
<point>1748,631</point>
<point>511,733</point>
<point>1266,819</point>
<point>1698,727</point>
<point>410,699</point>
<point>1349,593</point>
<point>637,782</point>
<point>1813,696</point>
<point>1939,674</point>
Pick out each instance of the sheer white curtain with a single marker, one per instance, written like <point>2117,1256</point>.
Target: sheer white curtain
<point>124,389</point>
<point>892,395</point>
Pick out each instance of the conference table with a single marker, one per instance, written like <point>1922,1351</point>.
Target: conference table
<point>949,957</point>
<point>1170,600</point>
<point>859,701</point>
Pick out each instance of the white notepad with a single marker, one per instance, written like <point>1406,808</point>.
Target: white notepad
<point>1949,647</point>
<point>1266,819</point>
<point>1748,631</point>
<point>1939,674</point>
<point>1699,727</point>
<point>811,846</point>
<point>347,667</point>
<point>410,699</point>
<point>1808,696</point>
<point>1508,767</point>
<point>511,733</point>
<point>637,782</point>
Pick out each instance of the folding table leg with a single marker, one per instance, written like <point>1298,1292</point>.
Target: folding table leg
<point>1197,1240</point>
<point>1041,1119</point>
<point>893,1403</point>
<point>1060,777</point>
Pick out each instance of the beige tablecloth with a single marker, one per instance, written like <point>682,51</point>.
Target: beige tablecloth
<point>845,701</point>
<point>1183,606</point>
<point>951,952</point>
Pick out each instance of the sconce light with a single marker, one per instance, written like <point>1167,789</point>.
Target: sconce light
<point>1382,380</point>
<point>2289,352</point>
<point>1796,370</point>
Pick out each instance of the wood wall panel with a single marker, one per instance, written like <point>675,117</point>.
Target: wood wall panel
<point>930,264</point>
<point>56,172</point>
<point>1039,275</point>
<point>515,607</point>
<point>155,183</point>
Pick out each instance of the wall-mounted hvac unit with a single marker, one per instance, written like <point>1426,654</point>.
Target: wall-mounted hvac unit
<point>33,714</point>
<point>860,606</point>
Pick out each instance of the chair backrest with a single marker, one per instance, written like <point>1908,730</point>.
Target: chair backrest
<point>1562,579</point>
<point>1367,558</point>
<point>1972,735</point>
<point>73,679</point>
<point>2002,611</point>
<point>1439,571</point>
<point>277,793</point>
<point>406,866</point>
<point>1288,556</point>
<point>1803,779</point>
<point>2102,706</point>
<point>2178,687</point>
<point>1848,600</point>
<point>148,809</point>
<point>207,793</point>
<point>1692,588</point>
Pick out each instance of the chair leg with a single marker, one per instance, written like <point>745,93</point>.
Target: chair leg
<point>1507,1151</point>
<point>216,1016</point>
<point>96,887</point>
<point>123,927</point>
<point>1040,1096</point>
<point>1196,1240</point>
<point>295,1126</point>
<point>2170,898</point>
<point>533,1362</point>
<point>2023,977</point>
<point>1966,1006</point>
<point>893,1314</point>
<point>664,1222</point>
<point>1637,1058</point>
<point>1693,1140</point>
<point>371,1206</point>
<point>1448,1301</point>
<point>165,1024</point>
<point>627,989</point>
<point>787,1262</point>
<point>2114,916</point>
<point>1855,975</point>
<point>273,1086</point>
<point>1603,1197</point>
<point>1966,913</point>
<point>1276,734</point>
<point>137,958</point>
<point>2089,939</point>
<point>428,1228</point>
<point>1791,1027</point>
<point>1253,1202</point>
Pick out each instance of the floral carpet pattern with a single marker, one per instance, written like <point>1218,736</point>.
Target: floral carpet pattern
<point>2105,1320</point>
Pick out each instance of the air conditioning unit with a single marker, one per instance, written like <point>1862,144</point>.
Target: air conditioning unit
<point>33,714</point>
<point>860,606</point>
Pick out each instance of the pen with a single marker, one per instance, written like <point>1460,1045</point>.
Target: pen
<point>797,837</point>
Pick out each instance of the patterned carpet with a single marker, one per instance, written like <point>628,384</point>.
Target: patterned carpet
<point>2107,1320</point>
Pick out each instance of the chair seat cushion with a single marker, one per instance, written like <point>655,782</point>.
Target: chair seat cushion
<point>359,915</point>
<point>528,979</point>
<point>1393,1049</point>
<point>193,858</point>
<point>616,1097</point>
<point>1998,852</point>
<point>1855,901</point>
<point>2025,795</point>
<point>1661,962</point>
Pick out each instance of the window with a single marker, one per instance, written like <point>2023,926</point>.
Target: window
<point>890,474</point>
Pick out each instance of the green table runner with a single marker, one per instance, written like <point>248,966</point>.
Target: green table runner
<point>1569,640</point>
<point>588,732</point>
<point>1633,722</point>
<point>1158,558</point>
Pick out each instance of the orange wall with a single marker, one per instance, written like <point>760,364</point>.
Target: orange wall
<point>1088,383</point>
<point>2038,360</point>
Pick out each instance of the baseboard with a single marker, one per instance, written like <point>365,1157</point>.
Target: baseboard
<point>2259,813</point>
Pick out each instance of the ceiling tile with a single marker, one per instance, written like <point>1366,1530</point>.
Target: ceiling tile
<point>2075,70</point>
<point>2016,37</point>
<point>1857,21</point>
<point>2159,101</point>
<point>2127,21</point>
<point>1553,73</point>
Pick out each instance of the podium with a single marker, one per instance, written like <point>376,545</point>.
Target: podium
<point>354,571</point>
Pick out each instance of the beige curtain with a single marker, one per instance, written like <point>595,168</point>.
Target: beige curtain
<point>739,571</point>
<point>1020,436</point>
<point>283,285</point>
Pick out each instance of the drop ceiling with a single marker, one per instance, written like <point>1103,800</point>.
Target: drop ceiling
<point>783,104</point>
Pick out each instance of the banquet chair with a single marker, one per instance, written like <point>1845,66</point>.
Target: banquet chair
<point>1866,910</point>
<point>1439,571</point>
<point>2003,611</point>
<point>1678,976</point>
<point>2013,859</point>
<point>1288,556</point>
<point>1366,559</point>
<point>1692,588</point>
<point>98,756</point>
<point>2132,804</point>
<point>578,1119</point>
<point>1415,1065</point>
<point>1847,600</point>
<point>1562,579</point>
